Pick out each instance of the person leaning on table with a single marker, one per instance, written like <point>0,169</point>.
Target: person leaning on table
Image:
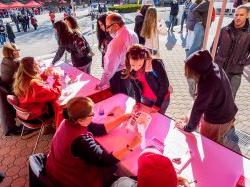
<point>214,108</point>
<point>75,158</point>
<point>154,170</point>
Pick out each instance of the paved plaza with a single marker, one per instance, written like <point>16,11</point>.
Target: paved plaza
<point>14,151</point>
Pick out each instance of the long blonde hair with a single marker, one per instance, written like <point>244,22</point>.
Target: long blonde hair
<point>149,26</point>
<point>25,75</point>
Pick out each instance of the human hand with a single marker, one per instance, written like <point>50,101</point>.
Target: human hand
<point>135,141</point>
<point>48,71</point>
<point>182,181</point>
<point>180,124</point>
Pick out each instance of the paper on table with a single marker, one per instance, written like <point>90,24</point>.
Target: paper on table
<point>178,154</point>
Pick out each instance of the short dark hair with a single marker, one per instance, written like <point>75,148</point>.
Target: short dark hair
<point>116,18</point>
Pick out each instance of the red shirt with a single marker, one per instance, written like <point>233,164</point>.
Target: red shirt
<point>39,95</point>
<point>147,92</point>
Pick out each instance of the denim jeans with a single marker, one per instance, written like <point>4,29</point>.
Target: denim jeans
<point>183,18</point>
<point>172,20</point>
<point>2,38</point>
<point>235,81</point>
<point>198,38</point>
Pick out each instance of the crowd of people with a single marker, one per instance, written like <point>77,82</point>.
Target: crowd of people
<point>131,65</point>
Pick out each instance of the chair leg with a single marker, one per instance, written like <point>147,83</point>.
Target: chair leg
<point>38,137</point>
<point>22,132</point>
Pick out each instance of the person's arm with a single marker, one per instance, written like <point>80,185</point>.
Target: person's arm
<point>111,62</point>
<point>205,95</point>
<point>86,148</point>
<point>59,54</point>
<point>44,93</point>
<point>102,129</point>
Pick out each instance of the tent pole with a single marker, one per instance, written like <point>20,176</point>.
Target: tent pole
<point>209,18</point>
<point>216,38</point>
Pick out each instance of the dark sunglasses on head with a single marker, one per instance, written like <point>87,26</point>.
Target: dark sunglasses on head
<point>107,27</point>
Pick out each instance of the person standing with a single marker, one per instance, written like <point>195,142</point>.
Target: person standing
<point>214,109</point>
<point>15,20</point>
<point>173,15</point>
<point>233,50</point>
<point>103,36</point>
<point>114,59</point>
<point>26,21</point>
<point>139,19</point>
<point>150,31</point>
<point>149,79</point>
<point>52,17</point>
<point>187,5</point>
<point>75,44</point>
<point>10,34</point>
<point>2,33</point>
<point>200,16</point>
<point>34,22</point>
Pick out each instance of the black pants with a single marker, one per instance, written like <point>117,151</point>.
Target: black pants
<point>119,85</point>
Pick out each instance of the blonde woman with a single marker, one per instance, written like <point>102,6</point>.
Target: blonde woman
<point>150,32</point>
<point>32,90</point>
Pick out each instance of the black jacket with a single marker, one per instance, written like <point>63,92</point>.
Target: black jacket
<point>214,99</point>
<point>157,80</point>
<point>200,13</point>
<point>233,50</point>
<point>79,54</point>
<point>174,9</point>
<point>138,27</point>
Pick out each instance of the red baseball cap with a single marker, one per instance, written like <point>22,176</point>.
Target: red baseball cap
<point>155,170</point>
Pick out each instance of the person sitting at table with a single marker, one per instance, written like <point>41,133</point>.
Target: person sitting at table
<point>149,79</point>
<point>9,66</point>
<point>103,36</point>
<point>75,158</point>
<point>214,109</point>
<point>33,92</point>
<point>154,169</point>
<point>75,44</point>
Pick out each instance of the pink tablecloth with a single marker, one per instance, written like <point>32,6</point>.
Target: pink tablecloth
<point>211,164</point>
<point>83,84</point>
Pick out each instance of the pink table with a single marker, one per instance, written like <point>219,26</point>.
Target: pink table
<point>211,164</point>
<point>83,85</point>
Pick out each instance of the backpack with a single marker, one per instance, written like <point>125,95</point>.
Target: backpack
<point>81,45</point>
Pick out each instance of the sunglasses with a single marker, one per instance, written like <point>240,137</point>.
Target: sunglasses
<point>107,27</point>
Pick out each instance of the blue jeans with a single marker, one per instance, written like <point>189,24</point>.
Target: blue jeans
<point>172,20</point>
<point>183,18</point>
<point>198,38</point>
<point>2,38</point>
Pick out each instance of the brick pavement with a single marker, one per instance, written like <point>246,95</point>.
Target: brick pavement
<point>14,151</point>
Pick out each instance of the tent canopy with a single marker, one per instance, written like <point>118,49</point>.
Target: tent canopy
<point>32,4</point>
<point>3,6</point>
<point>16,4</point>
